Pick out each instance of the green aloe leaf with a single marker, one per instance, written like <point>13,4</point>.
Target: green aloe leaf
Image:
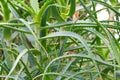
<point>6,10</point>
<point>69,34</point>
<point>72,7</point>
<point>56,14</point>
<point>41,10</point>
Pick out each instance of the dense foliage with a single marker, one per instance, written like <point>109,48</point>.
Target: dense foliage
<point>59,40</point>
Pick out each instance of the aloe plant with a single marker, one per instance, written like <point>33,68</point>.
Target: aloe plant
<point>41,40</point>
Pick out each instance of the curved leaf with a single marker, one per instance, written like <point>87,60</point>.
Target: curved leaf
<point>69,34</point>
<point>72,7</point>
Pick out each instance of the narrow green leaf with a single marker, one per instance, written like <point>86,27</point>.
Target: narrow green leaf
<point>56,14</point>
<point>19,30</point>
<point>6,10</point>
<point>43,24</point>
<point>43,21</point>
<point>69,34</point>
<point>72,7</point>
<point>41,11</point>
